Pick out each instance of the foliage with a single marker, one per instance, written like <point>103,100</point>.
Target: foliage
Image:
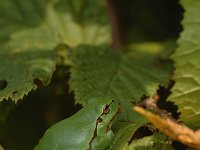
<point>185,93</point>
<point>37,37</point>
<point>172,128</point>
<point>123,76</point>
<point>125,140</point>
<point>30,41</point>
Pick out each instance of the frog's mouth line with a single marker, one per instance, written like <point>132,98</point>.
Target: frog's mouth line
<point>112,120</point>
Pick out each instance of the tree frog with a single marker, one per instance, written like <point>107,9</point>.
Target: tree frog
<point>89,128</point>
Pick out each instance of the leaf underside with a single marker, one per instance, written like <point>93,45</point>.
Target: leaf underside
<point>186,92</point>
<point>125,77</point>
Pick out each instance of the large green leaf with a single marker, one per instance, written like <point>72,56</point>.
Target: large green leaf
<point>31,29</point>
<point>186,92</point>
<point>103,73</point>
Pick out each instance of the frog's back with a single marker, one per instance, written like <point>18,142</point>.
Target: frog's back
<point>59,139</point>
<point>70,134</point>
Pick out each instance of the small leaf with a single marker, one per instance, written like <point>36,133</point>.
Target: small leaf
<point>123,136</point>
<point>154,142</point>
<point>123,140</point>
<point>185,93</point>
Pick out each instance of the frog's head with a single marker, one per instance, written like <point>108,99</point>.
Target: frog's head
<point>104,122</point>
<point>103,135</point>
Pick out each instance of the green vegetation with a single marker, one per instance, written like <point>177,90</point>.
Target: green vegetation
<point>88,63</point>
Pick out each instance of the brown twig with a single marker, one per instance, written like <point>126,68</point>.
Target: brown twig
<point>172,128</point>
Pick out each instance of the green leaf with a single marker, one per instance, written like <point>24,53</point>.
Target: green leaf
<point>124,140</point>
<point>153,142</point>
<point>123,137</point>
<point>62,20</point>
<point>19,70</point>
<point>185,93</point>
<point>85,11</point>
<point>103,73</point>
<point>29,32</point>
<point>69,25</point>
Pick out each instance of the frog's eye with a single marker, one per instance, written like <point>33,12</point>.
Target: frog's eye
<point>100,120</point>
<point>106,110</point>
